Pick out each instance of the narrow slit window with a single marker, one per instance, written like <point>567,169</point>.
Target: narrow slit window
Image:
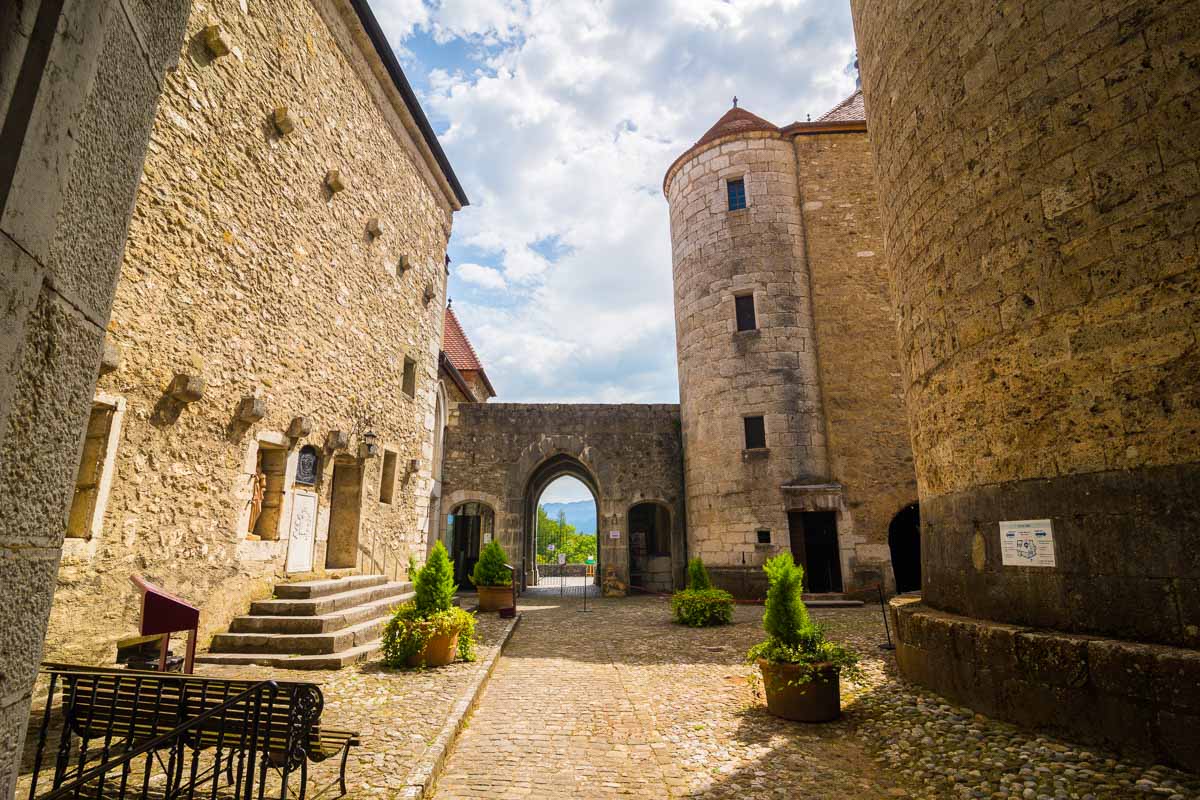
<point>91,468</point>
<point>756,433</point>
<point>737,194</point>
<point>387,483</point>
<point>744,308</point>
<point>410,377</point>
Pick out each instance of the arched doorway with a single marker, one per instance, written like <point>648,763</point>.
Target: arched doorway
<point>468,526</point>
<point>650,547</point>
<point>547,473</point>
<point>904,539</point>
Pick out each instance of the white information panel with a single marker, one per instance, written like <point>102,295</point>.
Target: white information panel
<point>1027,543</point>
<point>614,534</point>
<point>562,559</point>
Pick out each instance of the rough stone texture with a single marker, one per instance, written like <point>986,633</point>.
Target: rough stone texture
<point>1039,162</point>
<point>1136,697</point>
<point>243,270</point>
<point>76,120</point>
<point>808,248</point>
<point>504,454</point>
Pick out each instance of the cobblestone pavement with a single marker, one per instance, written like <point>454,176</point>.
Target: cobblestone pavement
<point>618,702</point>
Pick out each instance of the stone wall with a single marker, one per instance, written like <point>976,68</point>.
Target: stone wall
<point>1040,164</point>
<point>869,450</point>
<point>78,88</point>
<point>504,454</point>
<point>244,269</point>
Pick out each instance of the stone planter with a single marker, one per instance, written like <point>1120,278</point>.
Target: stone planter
<point>817,699</point>
<point>438,652</point>
<point>494,598</point>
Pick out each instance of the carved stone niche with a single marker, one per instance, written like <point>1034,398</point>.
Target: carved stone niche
<point>283,121</point>
<point>251,410</point>
<point>299,427</point>
<point>334,181</point>
<point>186,388</point>
<point>216,41</point>
<point>337,440</point>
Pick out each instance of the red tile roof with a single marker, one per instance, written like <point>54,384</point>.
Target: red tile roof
<point>735,120</point>
<point>457,346</point>
<point>852,109</point>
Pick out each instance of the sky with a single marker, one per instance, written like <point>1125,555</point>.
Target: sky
<point>565,490</point>
<point>560,118</point>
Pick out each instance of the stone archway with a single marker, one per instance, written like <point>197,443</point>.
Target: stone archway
<point>904,540</point>
<point>549,470</point>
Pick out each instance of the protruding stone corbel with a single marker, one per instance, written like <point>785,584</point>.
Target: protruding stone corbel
<point>186,388</point>
<point>251,410</point>
<point>110,358</point>
<point>216,41</point>
<point>430,293</point>
<point>283,121</point>
<point>374,229</point>
<point>334,181</point>
<point>299,427</point>
<point>403,265</point>
<point>337,440</point>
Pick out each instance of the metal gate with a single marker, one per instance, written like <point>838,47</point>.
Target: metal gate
<point>566,564</point>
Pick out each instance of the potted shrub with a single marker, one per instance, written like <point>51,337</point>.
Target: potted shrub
<point>700,605</point>
<point>492,578</point>
<point>801,669</point>
<point>429,630</point>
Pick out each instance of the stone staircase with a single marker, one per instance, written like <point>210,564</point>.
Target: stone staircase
<point>323,624</point>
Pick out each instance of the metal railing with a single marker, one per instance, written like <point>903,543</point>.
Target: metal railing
<point>138,734</point>
<point>382,559</point>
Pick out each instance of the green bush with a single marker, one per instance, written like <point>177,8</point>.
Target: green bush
<point>697,575</point>
<point>434,583</point>
<point>490,569</point>
<point>792,637</point>
<point>702,608</point>
<point>431,613</point>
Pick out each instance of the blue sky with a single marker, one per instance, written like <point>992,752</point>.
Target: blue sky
<point>560,119</point>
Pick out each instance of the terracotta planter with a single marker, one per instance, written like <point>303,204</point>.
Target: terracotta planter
<point>817,699</point>
<point>438,652</point>
<point>494,598</point>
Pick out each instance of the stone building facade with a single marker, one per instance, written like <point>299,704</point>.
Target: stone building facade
<point>793,428</point>
<point>1040,162</point>
<point>269,397</point>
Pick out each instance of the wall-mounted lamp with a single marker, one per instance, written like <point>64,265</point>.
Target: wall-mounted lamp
<point>368,448</point>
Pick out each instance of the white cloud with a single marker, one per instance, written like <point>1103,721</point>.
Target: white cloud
<point>561,128</point>
<point>479,275</point>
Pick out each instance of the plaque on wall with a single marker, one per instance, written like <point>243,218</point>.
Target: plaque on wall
<point>1027,543</point>
<point>307,465</point>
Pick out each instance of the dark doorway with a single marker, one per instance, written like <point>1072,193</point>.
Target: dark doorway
<point>345,512</point>
<point>650,547</point>
<point>814,543</point>
<point>469,524</point>
<point>904,539</point>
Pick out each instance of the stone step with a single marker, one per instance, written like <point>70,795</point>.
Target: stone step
<point>833,603</point>
<point>300,643</point>
<point>305,590</point>
<point>324,623</point>
<point>318,606</point>
<point>343,658</point>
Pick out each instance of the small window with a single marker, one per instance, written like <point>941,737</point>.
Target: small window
<point>764,537</point>
<point>410,377</point>
<point>744,307</point>
<point>737,194</point>
<point>756,433</point>
<point>91,468</point>
<point>387,483</point>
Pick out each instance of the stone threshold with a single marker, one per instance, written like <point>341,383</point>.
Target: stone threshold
<point>425,772</point>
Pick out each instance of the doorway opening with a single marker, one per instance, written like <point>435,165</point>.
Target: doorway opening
<point>904,540</point>
<point>469,526</point>
<point>266,501</point>
<point>565,541</point>
<point>650,547</point>
<point>345,514</point>
<point>814,542</point>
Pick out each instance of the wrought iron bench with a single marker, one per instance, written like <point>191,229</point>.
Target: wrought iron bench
<point>195,729</point>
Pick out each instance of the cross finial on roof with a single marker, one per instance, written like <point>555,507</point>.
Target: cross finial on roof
<point>449,302</point>
<point>735,101</point>
<point>808,117</point>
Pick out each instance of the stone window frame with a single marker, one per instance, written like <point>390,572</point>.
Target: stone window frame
<point>84,548</point>
<point>735,174</point>
<point>758,296</point>
<point>759,540</point>
<point>388,497</point>
<point>408,379</point>
<point>746,449</point>
<point>266,549</point>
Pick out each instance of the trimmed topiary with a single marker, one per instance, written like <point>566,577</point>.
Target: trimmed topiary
<point>491,569</point>
<point>431,613</point>
<point>697,575</point>
<point>434,583</point>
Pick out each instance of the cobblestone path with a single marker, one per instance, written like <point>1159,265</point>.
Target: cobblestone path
<point>618,702</point>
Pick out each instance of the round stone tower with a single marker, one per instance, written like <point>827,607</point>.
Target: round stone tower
<point>1040,194</point>
<point>749,393</point>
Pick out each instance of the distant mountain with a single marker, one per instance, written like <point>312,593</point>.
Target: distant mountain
<point>581,514</point>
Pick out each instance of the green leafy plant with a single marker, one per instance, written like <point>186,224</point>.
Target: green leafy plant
<point>702,608</point>
<point>792,637</point>
<point>431,613</point>
<point>491,569</point>
<point>697,575</point>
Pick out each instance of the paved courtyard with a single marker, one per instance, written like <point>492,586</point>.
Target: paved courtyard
<point>618,702</point>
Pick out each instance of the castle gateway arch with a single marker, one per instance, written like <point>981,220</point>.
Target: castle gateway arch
<point>502,455</point>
